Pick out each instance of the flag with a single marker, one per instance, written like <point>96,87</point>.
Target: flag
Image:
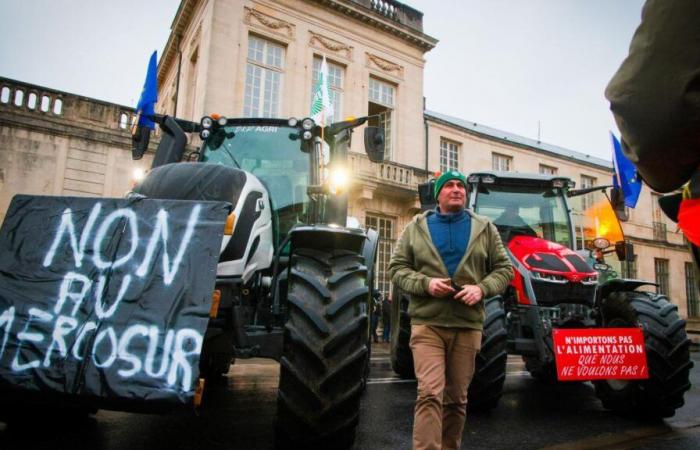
<point>321,107</point>
<point>149,95</point>
<point>625,177</point>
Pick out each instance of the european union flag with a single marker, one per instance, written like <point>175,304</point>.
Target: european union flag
<point>149,95</point>
<point>625,176</point>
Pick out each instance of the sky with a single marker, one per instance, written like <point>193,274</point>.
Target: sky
<point>514,65</point>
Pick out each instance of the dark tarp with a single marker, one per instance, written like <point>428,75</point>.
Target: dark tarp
<point>106,299</point>
<point>655,94</point>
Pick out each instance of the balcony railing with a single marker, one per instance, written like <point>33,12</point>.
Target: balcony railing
<point>389,174</point>
<point>659,231</point>
<point>395,11</point>
<point>39,101</point>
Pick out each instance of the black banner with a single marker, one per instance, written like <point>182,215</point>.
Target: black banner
<point>107,299</point>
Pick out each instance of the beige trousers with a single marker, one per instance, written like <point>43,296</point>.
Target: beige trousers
<point>444,364</point>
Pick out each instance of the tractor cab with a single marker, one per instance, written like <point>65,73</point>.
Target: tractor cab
<point>548,209</point>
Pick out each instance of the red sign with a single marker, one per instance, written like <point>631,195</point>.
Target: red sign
<point>600,354</point>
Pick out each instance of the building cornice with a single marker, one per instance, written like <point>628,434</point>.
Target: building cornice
<point>182,19</point>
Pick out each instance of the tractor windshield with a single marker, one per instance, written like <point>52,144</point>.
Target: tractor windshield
<point>273,154</point>
<point>532,211</point>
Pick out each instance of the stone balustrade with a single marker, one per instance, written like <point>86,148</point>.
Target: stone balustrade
<point>386,174</point>
<point>39,101</point>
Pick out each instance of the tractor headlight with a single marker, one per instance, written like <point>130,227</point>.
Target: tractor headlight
<point>549,277</point>
<point>222,121</point>
<point>307,135</point>
<point>204,134</point>
<point>138,175</point>
<point>338,180</point>
<point>308,124</point>
<point>207,122</point>
<point>292,122</point>
<point>601,243</point>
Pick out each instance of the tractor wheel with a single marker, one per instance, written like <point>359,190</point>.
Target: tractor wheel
<point>401,355</point>
<point>546,372</point>
<point>323,362</point>
<point>668,355</point>
<point>490,373</point>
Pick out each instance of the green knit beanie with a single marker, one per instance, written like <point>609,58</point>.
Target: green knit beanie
<point>445,177</point>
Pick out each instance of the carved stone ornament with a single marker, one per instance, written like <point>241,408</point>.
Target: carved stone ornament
<point>276,25</point>
<point>385,65</point>
<point>319,41</point>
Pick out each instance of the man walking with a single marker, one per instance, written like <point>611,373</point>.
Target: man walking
<point>448,261</point>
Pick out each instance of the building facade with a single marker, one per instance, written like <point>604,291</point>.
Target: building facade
<point>261,58</point>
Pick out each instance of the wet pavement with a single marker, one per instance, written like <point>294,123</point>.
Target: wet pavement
<point>238,412</point>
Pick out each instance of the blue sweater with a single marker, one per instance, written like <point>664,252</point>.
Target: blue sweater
<point>450,235</point>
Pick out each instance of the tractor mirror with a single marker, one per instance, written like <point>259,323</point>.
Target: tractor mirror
<point>139,142</point>
<point>172,143</point>
<point>617,199</point>
<point>374,144</point>
<point>624,251</point>
<point>426,195</point>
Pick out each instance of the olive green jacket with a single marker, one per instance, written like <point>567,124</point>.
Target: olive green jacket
<point>416,260</point>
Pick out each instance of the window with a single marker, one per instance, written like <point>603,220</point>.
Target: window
<point>263,78</point>
<point>661,271</point>
<point>449,155</point>
<point>691,290</point>
<point>385,228</point>
<point>629,268</point>
<point>588,199</point>
<point>547,170</point>
<point>657,218</point>
<point>381,103</point>
<point>192,85</point>
<point>335,82</point>
<point>502,163</point>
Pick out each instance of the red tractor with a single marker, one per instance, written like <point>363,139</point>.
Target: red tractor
<point>563,284</point>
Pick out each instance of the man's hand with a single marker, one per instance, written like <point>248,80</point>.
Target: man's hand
<point>470,294</point>
<point>440,287</point>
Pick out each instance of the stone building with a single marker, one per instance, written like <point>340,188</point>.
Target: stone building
<point>261,58</point>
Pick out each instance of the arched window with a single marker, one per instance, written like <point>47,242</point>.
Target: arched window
<point>58,106</point>
<point>5,94</point>
<point>31,101</point>
<point>19,97</point>
<point>123,120</point>
<point>45,103</point>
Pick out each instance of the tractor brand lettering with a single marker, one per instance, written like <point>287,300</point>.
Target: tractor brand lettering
<point>256,129</point>
<point>105,261</point>
<point>600,353</point>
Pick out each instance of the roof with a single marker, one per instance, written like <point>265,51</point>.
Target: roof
<point>561,152</point>
<point>520,176</point>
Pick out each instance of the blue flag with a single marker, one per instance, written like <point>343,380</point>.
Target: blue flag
<point>625,177</point>
<point>149,95</point>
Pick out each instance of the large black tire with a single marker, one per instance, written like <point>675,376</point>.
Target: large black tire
<point>325,349</point>
<point>213,365</point>
<point>546,372</point>
<point>486,387</point>
<point>668,355</point>
<point>401,355</point>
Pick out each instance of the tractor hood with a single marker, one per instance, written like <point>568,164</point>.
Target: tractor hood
<point>551,261</point>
